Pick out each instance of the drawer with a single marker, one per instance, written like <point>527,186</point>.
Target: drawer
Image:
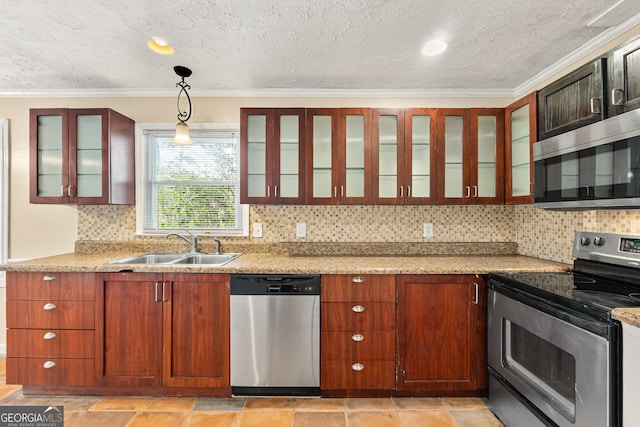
<point>358,287</point>
<point>345,374</point>
<point>62,372</point>
<point>363,345</point>
<point>59,286</point>
<point>49,343</point>
<point>357,317</point>
<point>50,314</point>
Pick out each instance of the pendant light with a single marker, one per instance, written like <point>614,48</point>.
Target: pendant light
<point>182,130</point>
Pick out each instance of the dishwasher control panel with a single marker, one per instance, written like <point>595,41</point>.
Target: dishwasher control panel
<point>274,284</point>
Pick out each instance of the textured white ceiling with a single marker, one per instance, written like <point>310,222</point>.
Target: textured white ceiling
<point>256,45</point>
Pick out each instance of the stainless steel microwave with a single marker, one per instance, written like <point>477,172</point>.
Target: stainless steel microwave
<point>593,167</point>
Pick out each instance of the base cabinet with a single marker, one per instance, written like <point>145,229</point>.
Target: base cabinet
<point>50,329</point>
<point>441,333</point>
<point>164,330</point>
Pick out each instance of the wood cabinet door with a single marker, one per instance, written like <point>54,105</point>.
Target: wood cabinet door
<point>573,101</point>
<point>521,130</point>
<point>624,78</point>
<point>129,329</point>
<point>196,330</point>
<point>441,333</point>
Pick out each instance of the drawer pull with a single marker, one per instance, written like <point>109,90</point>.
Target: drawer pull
<point>49,364</point>
<point>49,277</point>
<point>49,336</point>
<point>357,367</point>
<point>357,309</point>
<point>49,306</point>
<point>357,337</point>
<point>358,279</point>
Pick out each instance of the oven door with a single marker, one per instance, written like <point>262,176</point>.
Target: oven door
<point>561,369</point>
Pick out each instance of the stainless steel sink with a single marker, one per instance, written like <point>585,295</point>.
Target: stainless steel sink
<point>207,259</point>
<point>178,259</point>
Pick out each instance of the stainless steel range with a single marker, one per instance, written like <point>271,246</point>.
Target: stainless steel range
<point>554,351</point>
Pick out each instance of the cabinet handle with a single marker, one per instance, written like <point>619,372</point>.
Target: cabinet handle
<point>335,191</point>
<point>617,100</point>
<point>49,277</point>
<point>357,366</point>
<point>357,337</point>
<point>49,336</point>
<point>358,279</point>
<point>164,292</point>
<point>475,191</point>
<point>468,191</point>
<point>408,191</point>
<point>268,191</point>
<point>532,188</point>
<point>342,191</point>
<point>49,306</point>
<point>595,105</point>
<point>475,298</point>
<point>156,298</point>
<point>69,192</point>
<point>62,190</point>
<point>401,191</point>
<point>357,309</point>
<point>275,191</point>
<point>49,364</point>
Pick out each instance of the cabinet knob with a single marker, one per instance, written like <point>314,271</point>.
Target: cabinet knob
<point>49,364</point>
<point>358,279</point>
<point>357,337</point>
<point>49,306</point>
<point>357,309</point>
<point>49,277</point>
<point>357,367</point>
<point>49,336</point>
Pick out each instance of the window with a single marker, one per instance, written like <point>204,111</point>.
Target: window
<point>194,187</point>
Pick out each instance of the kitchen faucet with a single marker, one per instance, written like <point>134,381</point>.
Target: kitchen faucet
<point>193,241</point>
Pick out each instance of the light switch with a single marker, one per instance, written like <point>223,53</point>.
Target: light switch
<point>301,229</point>
<point>257,229</point>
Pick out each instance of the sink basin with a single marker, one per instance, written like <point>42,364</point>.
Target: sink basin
<point>178,259</point>
<point>207,259</point>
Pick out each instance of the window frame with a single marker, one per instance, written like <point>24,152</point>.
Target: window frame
<point>141,167</point>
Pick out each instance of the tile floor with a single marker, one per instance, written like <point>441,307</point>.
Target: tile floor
<point>93,411</point>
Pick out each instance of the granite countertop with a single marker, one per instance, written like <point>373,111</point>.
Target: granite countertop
<point>264,263</point>
<point>630,316</point>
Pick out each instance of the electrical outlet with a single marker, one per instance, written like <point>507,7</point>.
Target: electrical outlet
<point>301,229</point>
<point>427,229</point>
<point>257,229</point>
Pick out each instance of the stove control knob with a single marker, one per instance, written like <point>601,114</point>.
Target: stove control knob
<point>598,241</point>
<point>584,241</point>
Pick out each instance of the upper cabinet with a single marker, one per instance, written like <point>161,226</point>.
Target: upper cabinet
<point>471,156</point>
<point>573,101</point>
<point>403,156</point>
<point>624,78</point>
<point>82,156</point>
<point>338,156</point>
<point>520,134</point>
<point>272,160</point>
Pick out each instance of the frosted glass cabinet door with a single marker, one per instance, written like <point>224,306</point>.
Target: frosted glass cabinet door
<point>50,155</point>
<point>453,161</point>
<point>520,133</point>
<point>388,158</point>
<point>421,128</point>
<point>487,162</point>
<point>257,155</point>
<point>89,155</point>
<point>289,156</point>
<point>321,146</point>
<point>354,185</point>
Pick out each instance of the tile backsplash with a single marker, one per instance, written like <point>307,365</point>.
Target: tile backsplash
<point>539,233</point>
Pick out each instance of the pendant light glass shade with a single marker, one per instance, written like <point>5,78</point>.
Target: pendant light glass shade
<point>182,134</point>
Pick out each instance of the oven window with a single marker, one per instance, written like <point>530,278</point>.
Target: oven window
<point>547,369</point>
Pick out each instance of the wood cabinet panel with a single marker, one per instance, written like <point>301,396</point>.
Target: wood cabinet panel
<point>64,315</point>
<point>55,285</point>
<point>337,316</point>
<point>66,372</point>
<point>624,78</point>
<point>374,375</point>
<point>59,343</point>
<point>361,287</point>
<point>441,333</point>
<point>196,331</point>
<point>366,345</point>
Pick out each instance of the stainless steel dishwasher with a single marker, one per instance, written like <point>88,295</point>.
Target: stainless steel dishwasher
<point>275,335</point>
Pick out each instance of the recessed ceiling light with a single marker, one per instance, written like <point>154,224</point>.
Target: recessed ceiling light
<point>434,47</point>
<point>160,46</point>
